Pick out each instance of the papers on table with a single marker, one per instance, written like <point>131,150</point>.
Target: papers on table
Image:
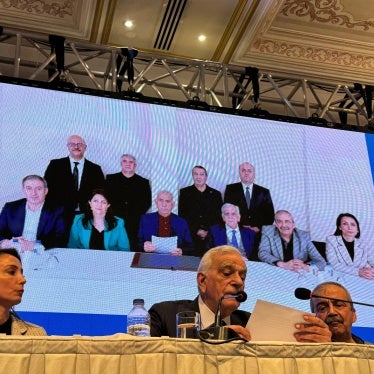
<point>165,245</point>
<point>273,322</point>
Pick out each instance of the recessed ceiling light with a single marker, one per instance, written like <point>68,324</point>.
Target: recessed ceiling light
<point>202,38</point>
<point>129,24</point>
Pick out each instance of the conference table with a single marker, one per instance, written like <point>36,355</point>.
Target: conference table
<point>106,282</point>
<point>122,353</point>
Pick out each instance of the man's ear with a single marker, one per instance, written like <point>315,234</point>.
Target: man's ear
<point>201,282</point>
<point>354,317</point>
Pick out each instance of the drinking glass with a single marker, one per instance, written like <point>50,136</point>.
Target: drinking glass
<point>188,324</point>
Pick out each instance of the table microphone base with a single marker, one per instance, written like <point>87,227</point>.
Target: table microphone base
<point>224,333</point>
<point>218,333</point>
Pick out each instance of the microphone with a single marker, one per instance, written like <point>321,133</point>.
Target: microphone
<point>305,294</point>
<point>241,296</point>
<point>223,332</point>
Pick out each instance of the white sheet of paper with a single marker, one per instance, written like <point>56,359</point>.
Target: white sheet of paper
<point>165,245</point>
<point>274,322</point>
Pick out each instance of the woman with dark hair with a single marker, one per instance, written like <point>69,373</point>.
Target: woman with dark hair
<point>12,283</point>
<point>98,228</point>
<point>346,252</point>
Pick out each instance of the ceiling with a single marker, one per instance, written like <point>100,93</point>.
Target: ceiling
<point>309,52</point>
<point>326,39</point>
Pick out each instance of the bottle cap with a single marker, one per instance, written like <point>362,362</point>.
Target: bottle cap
<point>138,301</point>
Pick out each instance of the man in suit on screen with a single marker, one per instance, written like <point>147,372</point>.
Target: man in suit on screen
<point>286,246</point>
<point>164,224</point>
<point>24,221</point>
<point>71,179</point>
<point>254,201</point>
<point>231,233</point>
<point>200,205</point>
<point>130,196</point>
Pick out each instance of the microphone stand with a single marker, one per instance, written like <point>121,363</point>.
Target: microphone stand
<point>220,332</point>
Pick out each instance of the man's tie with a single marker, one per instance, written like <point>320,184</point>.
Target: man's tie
<point>75,175</point>
<point>247,196</point>
<point>234,241</point>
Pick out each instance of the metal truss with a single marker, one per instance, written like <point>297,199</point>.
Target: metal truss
<point>91,66</point>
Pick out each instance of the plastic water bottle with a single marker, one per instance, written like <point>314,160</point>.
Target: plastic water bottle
<point>329,271</point>
<point>38,247</point>
<point>314,269</point>
<point>138,320</point>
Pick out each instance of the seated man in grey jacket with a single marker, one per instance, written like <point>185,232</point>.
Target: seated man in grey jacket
<point>283,245</point>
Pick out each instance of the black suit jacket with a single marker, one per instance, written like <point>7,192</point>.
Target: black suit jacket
<point>130,199</point>
<point>261,209</point>
<point>61,189</point>
<point>163,316</point>
<point>200,209</point>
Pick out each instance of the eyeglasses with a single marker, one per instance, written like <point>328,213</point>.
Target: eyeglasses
<point>79,145</point>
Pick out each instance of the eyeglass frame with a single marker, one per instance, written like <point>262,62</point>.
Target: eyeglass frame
<point>79,145</point>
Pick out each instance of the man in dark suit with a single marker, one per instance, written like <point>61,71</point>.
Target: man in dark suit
<point>230,233</point>
<point>24,221</point>
<point>254,201</point>
<point>222,271</point>
<point>130,196</point>
<point>200,206</point>
<point>71,179</point>
<point>163,224</point>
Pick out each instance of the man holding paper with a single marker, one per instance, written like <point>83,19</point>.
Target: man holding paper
<point>222,272</point>
<point>164,231</point>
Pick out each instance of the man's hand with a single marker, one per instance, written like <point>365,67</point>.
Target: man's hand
<point>294,265</point>
<point>176,252</point>
<point>253,228</point>
<point>6,243</point>
<point>367,273</point>
<point>241,331</point>
<point>202,233</point>
<point>26,245</point>
<point>149,247</point>
<point>314,330</point>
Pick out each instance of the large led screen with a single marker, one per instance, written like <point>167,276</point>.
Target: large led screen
<point>315,173</point>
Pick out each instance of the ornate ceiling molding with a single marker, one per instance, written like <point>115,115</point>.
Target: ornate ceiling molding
<point>313,54</point>
<point>324,11</point>
<point>69,18</point>
<point>50,8</point>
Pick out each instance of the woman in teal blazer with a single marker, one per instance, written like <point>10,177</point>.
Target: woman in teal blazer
<point>98,228</point>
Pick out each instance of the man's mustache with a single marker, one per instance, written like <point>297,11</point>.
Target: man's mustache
<point>332,319</point>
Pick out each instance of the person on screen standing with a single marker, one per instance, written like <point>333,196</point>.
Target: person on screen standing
<point>231,233</point>
<point>286,246</point>
<point>98,228</point>
<point>164,223</point>
<point>200,206</point>
<point>254,202</point>
<point>24,221</point>
<point>338,315</point>
<point>346,252</point>
<point>12,283</point>
<point>130,195</point>
<point>71,179</point>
